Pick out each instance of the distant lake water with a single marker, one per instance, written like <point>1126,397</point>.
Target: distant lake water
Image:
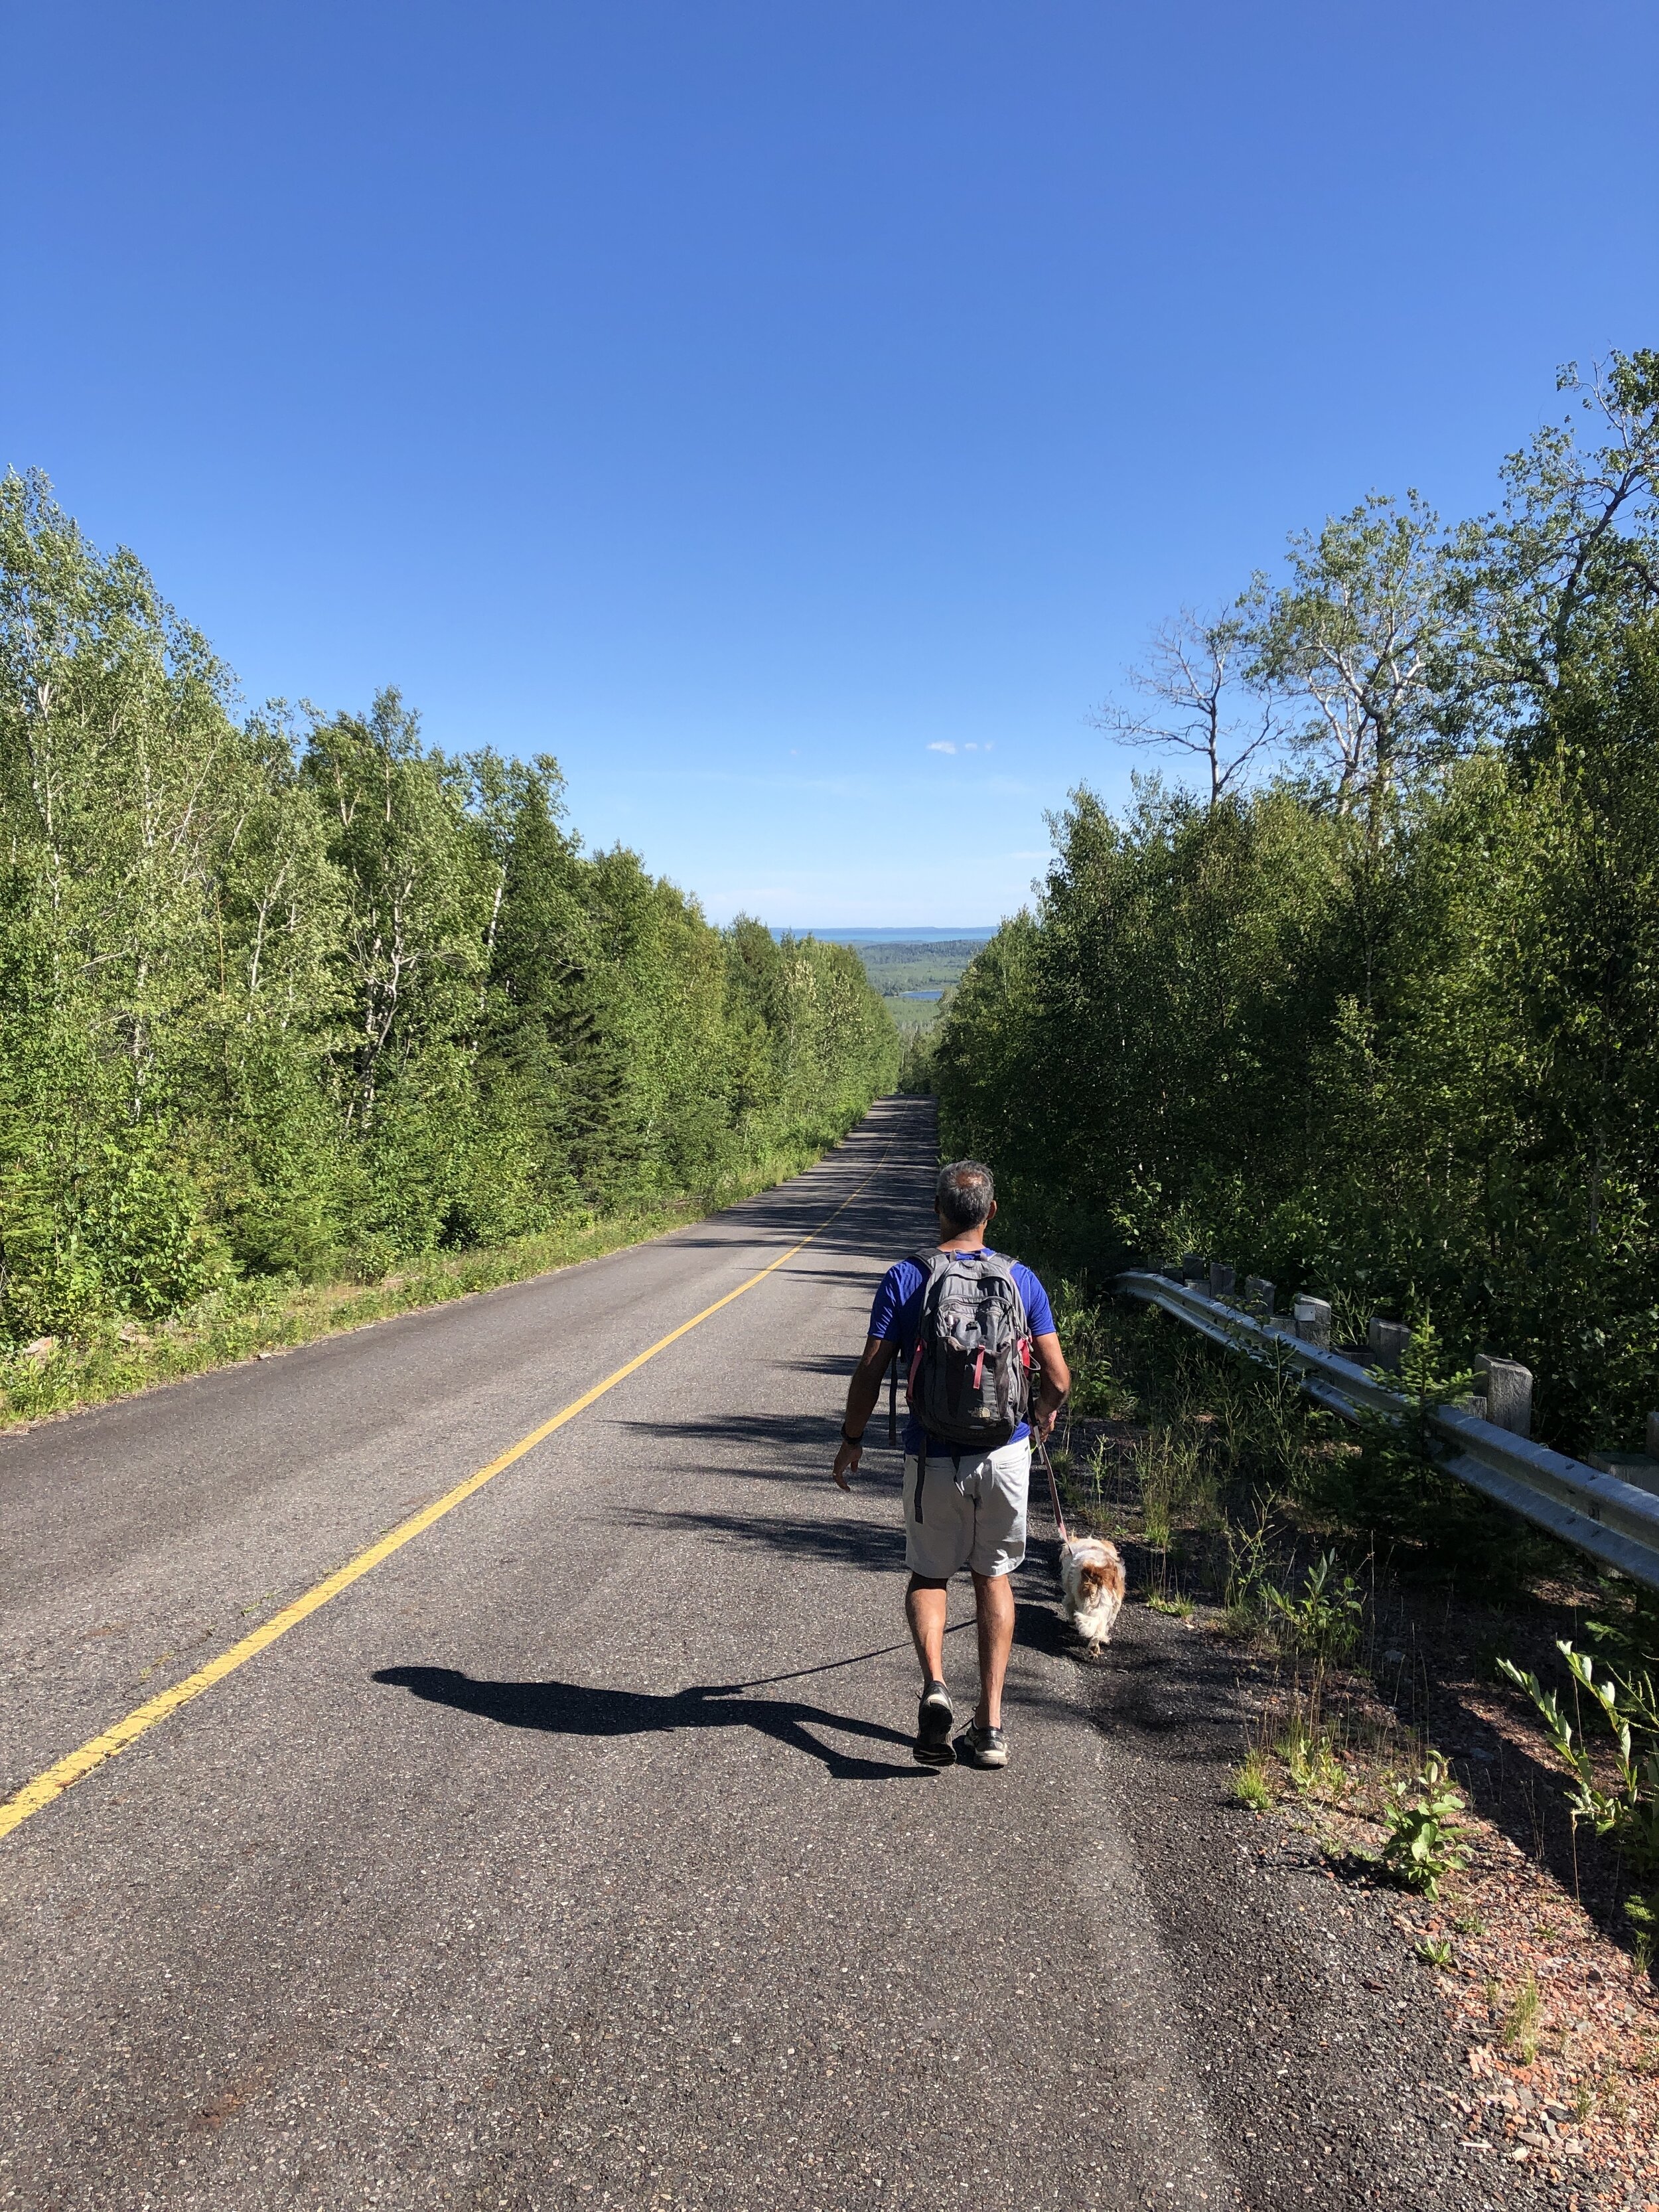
<point>921,994</point>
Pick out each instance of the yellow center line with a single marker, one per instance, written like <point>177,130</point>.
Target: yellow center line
<point>35,1795</point>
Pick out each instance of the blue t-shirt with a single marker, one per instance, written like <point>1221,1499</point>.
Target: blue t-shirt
<point>896,1318</point>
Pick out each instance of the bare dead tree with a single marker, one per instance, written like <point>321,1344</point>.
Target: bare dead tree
<point>1194,675</point>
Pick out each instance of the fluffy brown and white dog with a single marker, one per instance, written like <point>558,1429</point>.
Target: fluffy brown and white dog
<point>1091,1587</point>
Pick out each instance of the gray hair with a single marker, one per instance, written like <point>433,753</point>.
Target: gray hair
<point>963,1195</point>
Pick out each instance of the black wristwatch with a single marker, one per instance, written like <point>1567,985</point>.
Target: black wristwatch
<point>846,1439</point>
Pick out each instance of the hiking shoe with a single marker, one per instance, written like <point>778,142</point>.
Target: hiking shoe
<point>934,1718</point>
<point>984,1747</point>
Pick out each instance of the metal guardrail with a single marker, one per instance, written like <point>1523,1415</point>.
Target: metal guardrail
<point>1613,1522</point>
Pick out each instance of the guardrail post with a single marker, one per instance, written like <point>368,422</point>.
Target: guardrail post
<point>1387,1343</point>
<point>1509,1394</point>
<point>1313,1322</point>
<point>1221,1279</point>
<point>1258,1296</point>
<point>1194,1267</point>
<point>1653,1435</point>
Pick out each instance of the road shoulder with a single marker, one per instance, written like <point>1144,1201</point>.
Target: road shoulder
<point>1319,2038</point>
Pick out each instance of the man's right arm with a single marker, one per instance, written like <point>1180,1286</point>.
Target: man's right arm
<point>862,1393</point>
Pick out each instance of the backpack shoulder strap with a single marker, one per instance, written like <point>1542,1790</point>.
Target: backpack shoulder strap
<point>999,1264</point>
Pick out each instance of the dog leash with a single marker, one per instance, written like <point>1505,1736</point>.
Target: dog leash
<point>1042,1450</point>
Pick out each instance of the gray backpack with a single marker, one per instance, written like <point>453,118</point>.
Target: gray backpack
<point>970,1372</point>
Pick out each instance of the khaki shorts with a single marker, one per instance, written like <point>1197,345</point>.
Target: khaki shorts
<point>969,1516</point>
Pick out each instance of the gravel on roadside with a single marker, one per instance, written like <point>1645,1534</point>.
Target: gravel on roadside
<point>1364,2100</point>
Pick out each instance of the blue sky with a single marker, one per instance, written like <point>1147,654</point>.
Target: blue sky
<point>751,403</point>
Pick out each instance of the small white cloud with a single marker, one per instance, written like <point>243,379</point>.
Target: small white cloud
<point>941,745</point>
<point>990,745</point>
<point>1040,854</point>
<point>970,747</point>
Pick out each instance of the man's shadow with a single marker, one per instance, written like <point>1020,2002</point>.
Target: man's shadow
<point>574,1709</point>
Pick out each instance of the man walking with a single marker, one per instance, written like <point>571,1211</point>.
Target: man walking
<point>966,1322</point>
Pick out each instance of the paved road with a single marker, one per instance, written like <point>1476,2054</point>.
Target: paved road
<point>575,1856</point>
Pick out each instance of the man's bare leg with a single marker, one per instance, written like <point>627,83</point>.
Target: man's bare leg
<point>925,1604</point>
<point>993,1600</point>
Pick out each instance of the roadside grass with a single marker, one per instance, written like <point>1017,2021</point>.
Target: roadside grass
<point>1368,1599</point>
<point>1555,2019</point>
<point>262,1316</point>
<point>1521,2021</point>
<point>1179,1608</point>
<point>1253,1784</point>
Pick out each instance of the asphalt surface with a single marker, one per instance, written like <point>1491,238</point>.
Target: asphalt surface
<point>575,1856</point>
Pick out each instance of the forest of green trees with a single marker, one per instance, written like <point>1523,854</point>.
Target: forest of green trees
<point>297,994</point>
<point>1374,1011</point>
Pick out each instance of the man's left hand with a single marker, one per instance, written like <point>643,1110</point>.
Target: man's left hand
<point>848,1454</point>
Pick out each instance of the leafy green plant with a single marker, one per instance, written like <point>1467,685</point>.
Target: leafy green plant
<point>1618,1798</point>
<point>1423,1845</point>
<point>1437,1951</point>
<point>1326,1620</point>
<point>1643,1914</point>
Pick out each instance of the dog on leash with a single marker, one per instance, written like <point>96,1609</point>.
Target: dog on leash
<point>1091,1587</point>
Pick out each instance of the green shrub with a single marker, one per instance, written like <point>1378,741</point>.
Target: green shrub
<point>1423,1845</point>
<point>1619,1801</point>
